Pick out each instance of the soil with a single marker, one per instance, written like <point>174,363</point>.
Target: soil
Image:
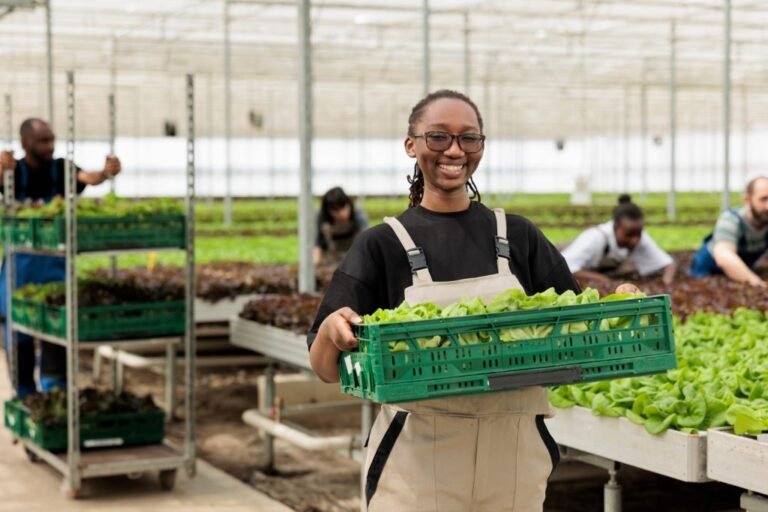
<point>330,482</point>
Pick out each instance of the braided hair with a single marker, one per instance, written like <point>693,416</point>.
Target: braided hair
<point>417,180</point>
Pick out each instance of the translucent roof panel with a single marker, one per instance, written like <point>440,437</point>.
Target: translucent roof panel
<point>549,68</point>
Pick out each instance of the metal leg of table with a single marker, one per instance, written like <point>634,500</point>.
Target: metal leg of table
<point>171,400</point>
<point>118,373</point>
<point>269,400</point>
<point>751,502</point>
<point>113,367</point>
<point>612,489</point>
<point>96,364</point>
<point>612,493</point>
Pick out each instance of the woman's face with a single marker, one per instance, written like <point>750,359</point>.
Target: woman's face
<point>628,232</point>
<point>448,171</point>
<point>341,214</point>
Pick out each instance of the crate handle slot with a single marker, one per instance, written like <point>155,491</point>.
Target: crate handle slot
<point>534,378</point>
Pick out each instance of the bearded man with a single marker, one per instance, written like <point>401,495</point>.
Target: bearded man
<point>739,239</point>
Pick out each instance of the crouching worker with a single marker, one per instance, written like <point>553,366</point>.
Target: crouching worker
<point>739,239</point>
<point>618,247</point>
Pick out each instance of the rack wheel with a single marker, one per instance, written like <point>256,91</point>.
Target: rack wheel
<point>32,456</point>
<point>167,479</point>
<point>68,492</point>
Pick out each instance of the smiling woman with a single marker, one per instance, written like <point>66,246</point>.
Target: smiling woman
<point>447,152</point>
<point>480,452</point>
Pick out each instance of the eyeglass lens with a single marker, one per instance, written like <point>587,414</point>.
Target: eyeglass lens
<point>441,141</point>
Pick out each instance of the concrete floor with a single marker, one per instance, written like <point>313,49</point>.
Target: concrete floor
<point>32,487</point>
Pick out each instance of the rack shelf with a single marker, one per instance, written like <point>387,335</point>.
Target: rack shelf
<point>166,458</point>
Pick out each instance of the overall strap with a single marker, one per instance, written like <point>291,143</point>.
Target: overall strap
<point>54,181</point>
<point>415,254</point>
<point>741,244</point>
<point>607,240</point>
<point>501,242</point>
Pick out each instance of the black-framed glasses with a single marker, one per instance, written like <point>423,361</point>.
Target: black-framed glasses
<point>441,141</point>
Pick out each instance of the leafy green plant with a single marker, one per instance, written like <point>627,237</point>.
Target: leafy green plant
<point>108,206</point>
<point>506,301</point>
<point>721,379</point>
<point>51,408</point>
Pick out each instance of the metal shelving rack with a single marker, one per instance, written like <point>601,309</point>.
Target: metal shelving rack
<point>166,458</point>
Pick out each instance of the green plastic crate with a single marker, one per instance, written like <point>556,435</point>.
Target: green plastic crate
<point>101,431</point>
<point>21,231</point>
<point>126,321</point>
<point>108,233</point>
<point>645,347</point>
<point>27,313</point>
<point>14,417</point>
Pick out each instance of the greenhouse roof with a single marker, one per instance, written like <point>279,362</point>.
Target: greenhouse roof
<point>549,68</point>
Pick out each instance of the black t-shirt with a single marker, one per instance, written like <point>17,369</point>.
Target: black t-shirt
<point>457,245</point>
<point>39,181</point>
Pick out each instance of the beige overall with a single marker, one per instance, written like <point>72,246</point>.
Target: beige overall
<point>486,452</point>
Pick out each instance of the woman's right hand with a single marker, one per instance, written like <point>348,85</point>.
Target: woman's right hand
<point>337,328</point>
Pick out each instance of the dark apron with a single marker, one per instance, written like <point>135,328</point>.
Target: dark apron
<point>338,241</point>
<point>703,263</point>
<point>34,268</point>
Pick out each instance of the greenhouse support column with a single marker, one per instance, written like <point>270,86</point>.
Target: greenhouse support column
<point>726,199</point>
<point>8,121</point>
<point>209,132</point>
<point>227,119</point>
<point>671,213</point>
<point>306,211</point>
<point>272,135</point>
<point>425,49</point>
<point>112,132</point>
<point>644,143</point>
<point>626,139</point>
<point>49,58</point>
<point>466,53</point>
<point>745,136</point>
<point>112,112</point>
<point>362,138</point>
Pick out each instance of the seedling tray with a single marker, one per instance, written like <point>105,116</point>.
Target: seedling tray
<point>27,313</point>
<point>101,431</point>
<point>120,322</point>
<point>21,231</point>
<point>13,417</point>
<point>108,233</point>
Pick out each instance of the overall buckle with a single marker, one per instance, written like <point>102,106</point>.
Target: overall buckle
<point>502,248</point>
<point>416,259</point>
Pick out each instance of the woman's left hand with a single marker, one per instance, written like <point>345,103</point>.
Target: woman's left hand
<point>627,288</point>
